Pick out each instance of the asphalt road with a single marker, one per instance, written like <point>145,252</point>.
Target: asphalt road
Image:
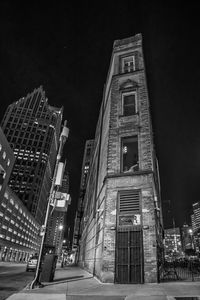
<point>13,278</point>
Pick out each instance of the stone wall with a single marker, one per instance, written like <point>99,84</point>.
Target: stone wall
<point>98,248</point>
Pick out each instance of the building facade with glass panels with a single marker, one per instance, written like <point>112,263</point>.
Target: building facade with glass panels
<point>19,232</point>
<point>7,159</point>
<point>32,128</point>
<point>173,243</point>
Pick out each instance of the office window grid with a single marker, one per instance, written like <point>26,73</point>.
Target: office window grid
<point>17,223</point>
<point>31,126</point>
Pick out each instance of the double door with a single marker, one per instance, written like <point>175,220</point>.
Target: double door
<point>129,256</point>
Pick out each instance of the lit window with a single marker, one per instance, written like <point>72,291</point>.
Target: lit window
<point>2,175</point>
<point>129,104</point>
<point>8,162</point>
<point>130,154</point>
<point>128,64</point>
<point>4,155</point>
<point>0,147</point>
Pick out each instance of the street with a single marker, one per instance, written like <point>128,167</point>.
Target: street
<point>13,278</point>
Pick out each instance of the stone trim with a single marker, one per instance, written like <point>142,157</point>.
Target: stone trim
<point>146,172</point>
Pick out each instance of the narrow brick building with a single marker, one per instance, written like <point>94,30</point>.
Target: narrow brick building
<point>122,224</point>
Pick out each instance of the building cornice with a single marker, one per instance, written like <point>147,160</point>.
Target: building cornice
<point>137,173</point>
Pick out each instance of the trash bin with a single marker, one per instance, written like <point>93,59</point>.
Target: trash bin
<point>48,268</point>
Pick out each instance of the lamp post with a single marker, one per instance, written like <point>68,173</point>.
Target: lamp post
<point>63,137</point>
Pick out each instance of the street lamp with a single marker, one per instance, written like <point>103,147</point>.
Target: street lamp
<point>60,227</point>
<point>63,137</point>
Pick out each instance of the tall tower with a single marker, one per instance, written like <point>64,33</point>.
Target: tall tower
<point>32,129</point>
<point>122,223</point>
<point>196,225</point>
<point>80,208</point>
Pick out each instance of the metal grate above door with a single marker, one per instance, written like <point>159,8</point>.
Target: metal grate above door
<point>129,201</point>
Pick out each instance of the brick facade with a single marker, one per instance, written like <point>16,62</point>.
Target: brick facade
<point>102,223</point>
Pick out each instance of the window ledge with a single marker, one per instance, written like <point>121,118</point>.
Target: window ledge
<point>136,173</point>
<point>130,116</point>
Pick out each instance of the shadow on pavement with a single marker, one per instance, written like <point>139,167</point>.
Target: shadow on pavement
<point>67,279</point>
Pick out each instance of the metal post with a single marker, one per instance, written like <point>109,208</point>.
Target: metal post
<point>36,281</point>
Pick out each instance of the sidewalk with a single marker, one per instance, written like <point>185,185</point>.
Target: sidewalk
<point>73,283</point>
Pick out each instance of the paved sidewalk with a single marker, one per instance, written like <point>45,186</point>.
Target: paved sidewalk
<point>73,283</point>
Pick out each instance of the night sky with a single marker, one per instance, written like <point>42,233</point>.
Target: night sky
<point>67,47</point>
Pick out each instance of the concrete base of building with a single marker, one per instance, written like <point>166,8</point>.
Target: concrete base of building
<point>107,277</point>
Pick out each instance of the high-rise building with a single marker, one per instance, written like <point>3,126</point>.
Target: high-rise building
<point>173,244</point>
<point>80,208</point>
<point>7,160</point>
<point>32,129</point>
<point>187,238</point>
<point>19,232</point>
<point>122,230</point>
<point>195,217</point>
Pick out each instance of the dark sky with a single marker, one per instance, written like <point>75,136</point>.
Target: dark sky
<point>66,48</point>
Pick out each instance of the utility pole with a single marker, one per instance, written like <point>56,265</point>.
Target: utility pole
<point>63,137</point>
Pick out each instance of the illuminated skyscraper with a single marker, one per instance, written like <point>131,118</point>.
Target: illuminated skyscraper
<point>196,225</point>
<point>32,128</point>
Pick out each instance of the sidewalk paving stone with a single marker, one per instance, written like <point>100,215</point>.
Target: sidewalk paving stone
<point>73,283</point>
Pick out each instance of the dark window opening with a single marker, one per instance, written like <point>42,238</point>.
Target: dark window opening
<point>130,154</point>
<point>129,104</point>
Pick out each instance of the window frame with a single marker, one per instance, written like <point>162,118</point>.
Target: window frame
<point>123,139</point>
<point>127,93</point>
<point>130,69</point>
